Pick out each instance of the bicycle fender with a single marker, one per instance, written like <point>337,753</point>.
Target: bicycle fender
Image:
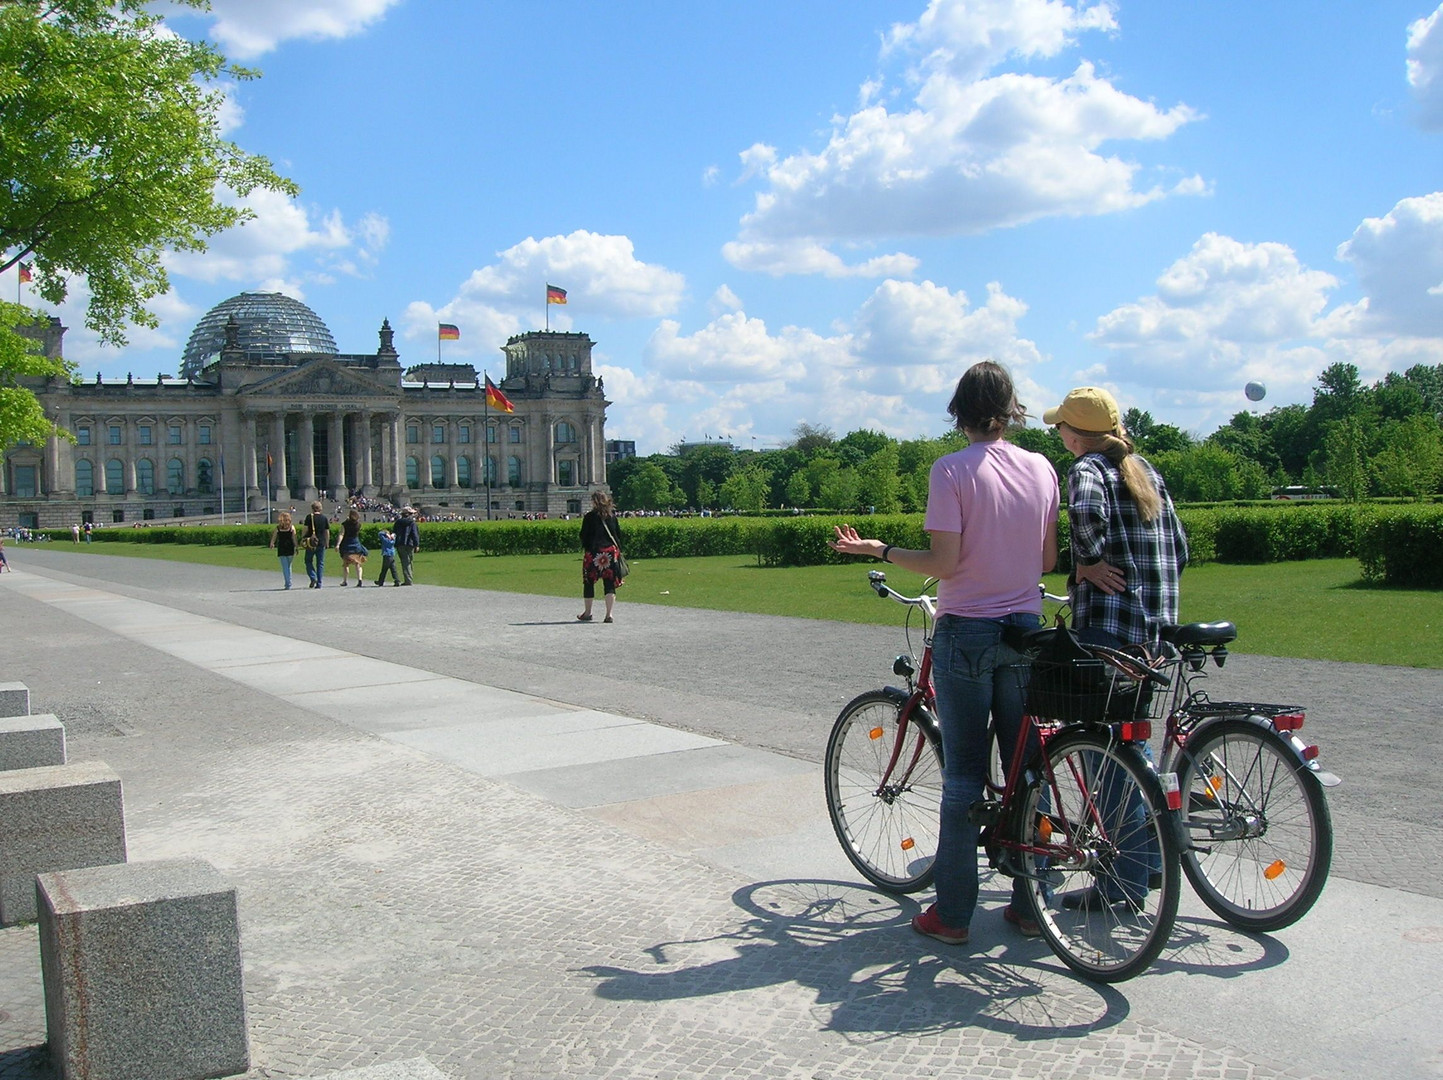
<point>1299,748</point>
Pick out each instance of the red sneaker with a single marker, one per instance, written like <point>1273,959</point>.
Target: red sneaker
<point>929,924</point>
<point>1026,926</point>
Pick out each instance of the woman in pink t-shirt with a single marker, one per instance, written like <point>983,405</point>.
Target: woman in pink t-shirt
<point>992,520</point>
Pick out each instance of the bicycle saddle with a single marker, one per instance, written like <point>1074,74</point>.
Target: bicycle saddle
<point>1200,633</point>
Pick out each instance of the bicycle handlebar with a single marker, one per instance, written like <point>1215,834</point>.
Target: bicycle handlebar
<point>878,580</point>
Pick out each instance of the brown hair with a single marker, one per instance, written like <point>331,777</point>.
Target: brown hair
<point>1118,448</point>
<point>602,504</point>
<point>283,519</point>
<point>985,400</point>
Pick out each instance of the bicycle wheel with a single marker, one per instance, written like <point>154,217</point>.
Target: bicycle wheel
<point>1104,886</point>
<point>884,798</point>
<point>1258,832</point>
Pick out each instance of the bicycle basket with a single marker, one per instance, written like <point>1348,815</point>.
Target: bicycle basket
<point>1074,686</point>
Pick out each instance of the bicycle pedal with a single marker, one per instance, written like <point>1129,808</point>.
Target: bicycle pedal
<point>985,812</point>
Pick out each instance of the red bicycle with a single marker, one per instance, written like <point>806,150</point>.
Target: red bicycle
<point>1084,815</point>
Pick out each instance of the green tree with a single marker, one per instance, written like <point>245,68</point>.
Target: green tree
<point>838,491</point>
<point>809,439</point>
<point>647,487</point>
<point>1410,462</point>
<point>111,154</point>
<point>705,494</point>
<point>746,489</point>
<point>798,490</point>
<point>878,485</point>
<point>1342,457</point>
<point>21,415</point>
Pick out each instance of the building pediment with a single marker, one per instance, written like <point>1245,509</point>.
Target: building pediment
<point>323,379</point>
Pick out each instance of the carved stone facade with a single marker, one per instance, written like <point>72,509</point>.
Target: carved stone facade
<point>252,428</point>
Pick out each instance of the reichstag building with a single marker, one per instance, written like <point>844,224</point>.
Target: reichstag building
<point>266,410</point>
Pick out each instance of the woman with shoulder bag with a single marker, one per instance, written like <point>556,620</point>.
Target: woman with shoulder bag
<point>601,559</point>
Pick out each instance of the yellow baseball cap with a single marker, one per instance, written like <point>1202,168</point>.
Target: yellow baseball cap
<point>1088,408</point>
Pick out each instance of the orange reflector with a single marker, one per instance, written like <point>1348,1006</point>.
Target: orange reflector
<point>1273,871</point>
<point>908,844</point>
<point>1044,829</point>
<point>1288,721</point>
<point>875,733</point>
<point>1215,785</point>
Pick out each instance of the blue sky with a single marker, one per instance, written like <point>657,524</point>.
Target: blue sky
<point>772,213</point>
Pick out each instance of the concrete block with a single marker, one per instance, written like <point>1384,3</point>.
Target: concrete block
<point>142,970</point>
<point>61,817</point>
<point>414,1069</point>
<point>14,699</point>
<point>31,742</point>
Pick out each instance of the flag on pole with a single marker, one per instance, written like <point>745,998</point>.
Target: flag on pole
<point>496,399</point>
<point>25,276</point>
<point>448,332</point>
<point>555,295</point>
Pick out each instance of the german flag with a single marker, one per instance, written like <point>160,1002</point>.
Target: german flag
<point>555,295</point>
<point>496,399</point>
<point>26,277</point>
<point>448,332</point>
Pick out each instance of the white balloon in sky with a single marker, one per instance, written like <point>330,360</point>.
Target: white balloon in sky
<point>1256,391</point>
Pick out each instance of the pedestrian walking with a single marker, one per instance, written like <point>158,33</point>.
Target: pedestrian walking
<point>408,541</point>
<point>353,553</point>
<point>88,527</point>
<point>75,532</point>
<point>388,559</point>
<point>283,541</point>
<point>315,538</point>
<point>601,555</point>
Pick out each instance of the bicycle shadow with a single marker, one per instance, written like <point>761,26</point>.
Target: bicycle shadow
<point>873,979</point>
<point>1199,946</point>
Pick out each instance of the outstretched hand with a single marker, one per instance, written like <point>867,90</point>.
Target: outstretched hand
<point>849,543</point>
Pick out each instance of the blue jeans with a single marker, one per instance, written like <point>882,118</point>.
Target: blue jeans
<point>975,674</point>
<point>1138,855</point>
<point>316,564</point>
<point>286,568</point>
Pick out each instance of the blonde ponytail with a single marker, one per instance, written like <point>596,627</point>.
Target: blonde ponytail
<point>1118,449</point>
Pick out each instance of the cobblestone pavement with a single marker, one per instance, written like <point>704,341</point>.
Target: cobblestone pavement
<point>395,905</point>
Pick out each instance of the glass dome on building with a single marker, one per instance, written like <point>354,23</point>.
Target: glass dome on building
<point>271,325</point>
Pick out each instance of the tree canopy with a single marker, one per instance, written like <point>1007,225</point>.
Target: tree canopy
<point>111,154</point>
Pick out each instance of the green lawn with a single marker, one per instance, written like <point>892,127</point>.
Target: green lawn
<point>1317,609</point>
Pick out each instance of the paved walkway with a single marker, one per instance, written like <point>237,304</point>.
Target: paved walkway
<point>528,885</point>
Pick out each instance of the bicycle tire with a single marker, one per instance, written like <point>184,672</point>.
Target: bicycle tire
<point>1258,832</point>
<point>888,831</point>
<point>1102,794</point>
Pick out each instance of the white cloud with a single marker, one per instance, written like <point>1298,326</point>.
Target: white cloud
<point>281,230</point>
<point>1229,312</point>
<point>1399,261</point>
<point>724,300</point>
<point>247,29</point>
<point>972,152</point>
<point>807,257</point>
<point>601,274</point>
<point>1425,68</point>
<point>892,369</point>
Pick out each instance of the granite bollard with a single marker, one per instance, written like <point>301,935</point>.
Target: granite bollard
<point>142,971</point>
<point>31,742</point>
<point>14,699</point>
<point>60,817</point>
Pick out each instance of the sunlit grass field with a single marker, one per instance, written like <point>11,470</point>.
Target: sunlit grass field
<point>1317,609</point>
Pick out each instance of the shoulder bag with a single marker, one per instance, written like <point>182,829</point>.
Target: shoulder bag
<point>622,566</point>
<point>311,540</point>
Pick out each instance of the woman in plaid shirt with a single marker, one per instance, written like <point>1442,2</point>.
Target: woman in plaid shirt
<point>1128,552</point>
<point>1128,547</point>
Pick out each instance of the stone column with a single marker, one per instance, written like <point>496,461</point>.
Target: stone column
<point>365,475</point>
<point>337,454</point>
<point>130,448</point>
<point>277,450</point>
<point>398,451</point>
<point>360,449</point>
<point>252,478</point>
<point>306,461</point>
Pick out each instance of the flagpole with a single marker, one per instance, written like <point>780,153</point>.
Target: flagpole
<point>486,438</point>
<point>547,306</point>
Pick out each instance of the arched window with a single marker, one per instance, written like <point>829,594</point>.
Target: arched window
<point>175,476</point>
<point>145,476</point>
<point>114,477</point>
<point>463,472</point>
<point>84,479</point>
<point>438,471</point>
<point>202,476</point>
<point>513,471</point>
<point>413,473</point>
<point>566,473</point>
<point>565,433</point>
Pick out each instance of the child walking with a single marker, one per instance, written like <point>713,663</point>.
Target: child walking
<point>388,559</point>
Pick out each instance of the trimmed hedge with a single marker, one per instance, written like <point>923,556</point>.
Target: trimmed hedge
<point>1397,544</point>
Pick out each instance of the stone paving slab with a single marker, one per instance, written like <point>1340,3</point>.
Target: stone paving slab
<point>390,899</point>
